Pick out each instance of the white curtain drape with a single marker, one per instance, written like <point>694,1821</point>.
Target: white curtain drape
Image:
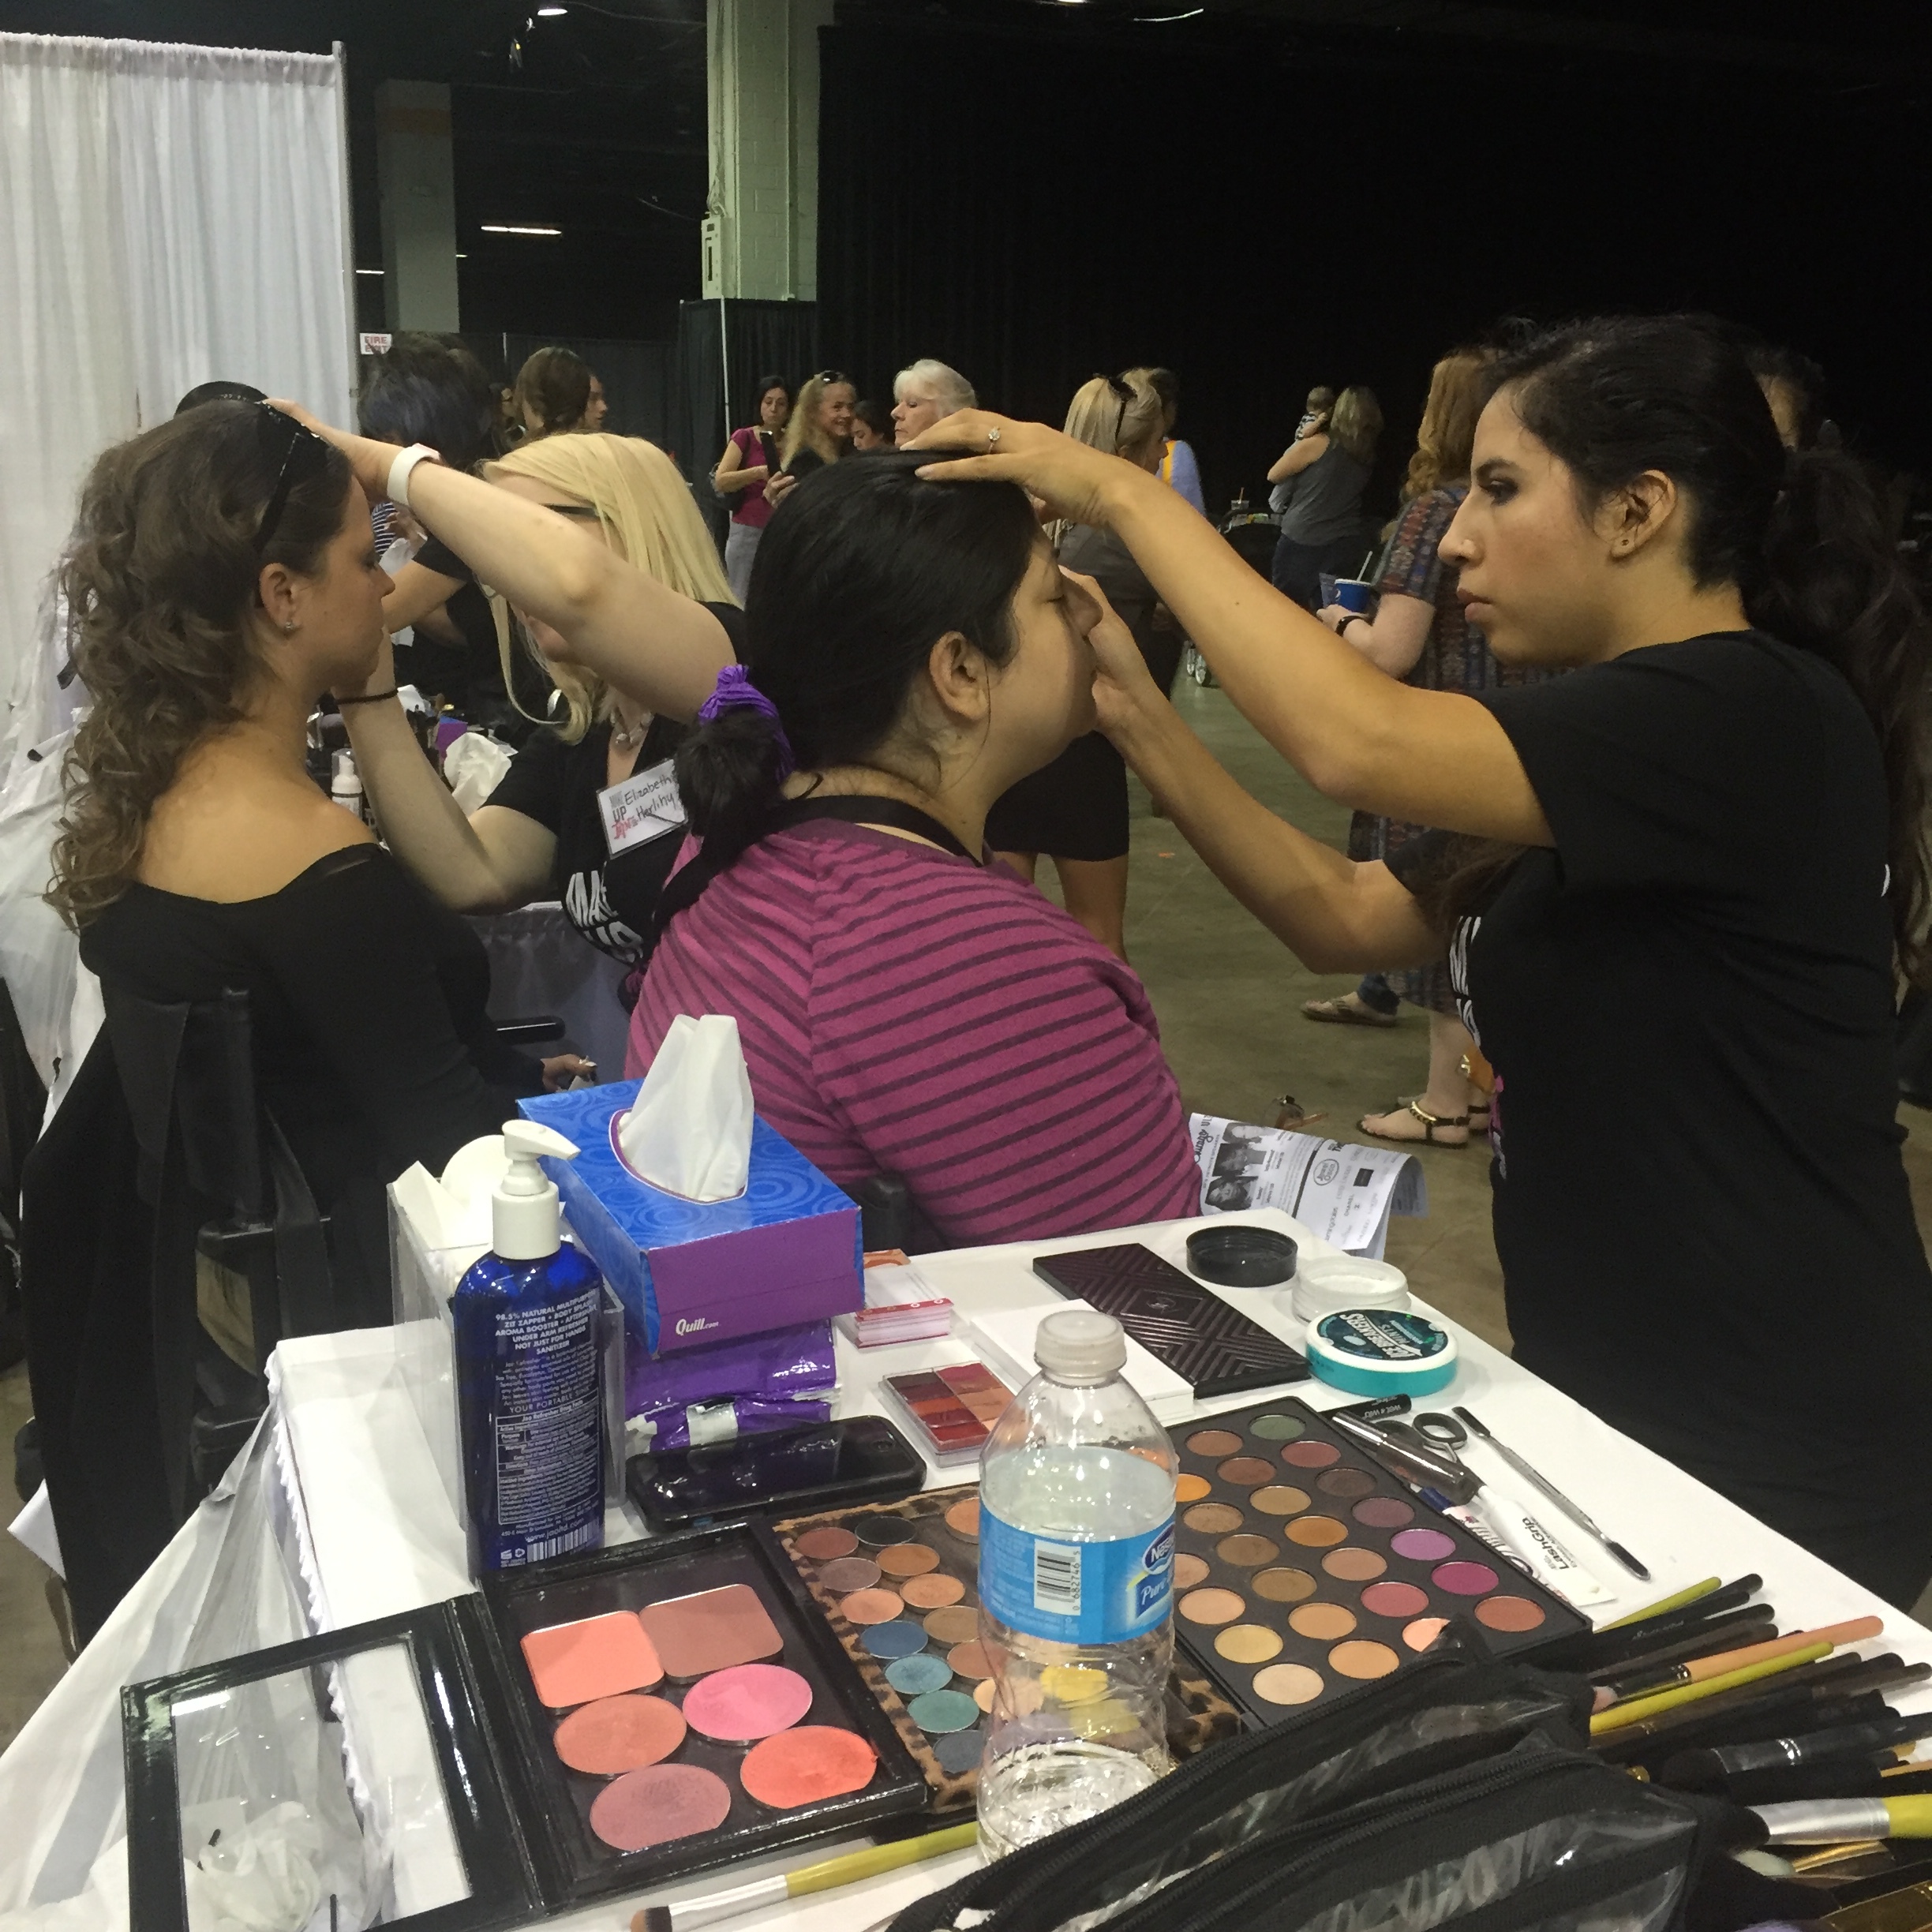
<point>168,215</point>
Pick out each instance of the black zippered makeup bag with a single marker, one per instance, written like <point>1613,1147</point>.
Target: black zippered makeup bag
<point>1458,1794</point>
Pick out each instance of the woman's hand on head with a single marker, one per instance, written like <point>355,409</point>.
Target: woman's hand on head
<point>1123,689</point>
<point>369,459</point>
<point>1079,483</point>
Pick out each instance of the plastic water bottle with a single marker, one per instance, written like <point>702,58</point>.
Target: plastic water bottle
<point>1076,1505</point>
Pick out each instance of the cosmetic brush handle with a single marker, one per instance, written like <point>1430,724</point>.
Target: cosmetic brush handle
<point>1530,1474</point>
<point>1835,1820</point>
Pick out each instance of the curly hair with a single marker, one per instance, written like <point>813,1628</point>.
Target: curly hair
<point>159,578</point>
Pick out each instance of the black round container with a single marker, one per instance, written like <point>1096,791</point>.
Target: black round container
<point>1241,1257</point>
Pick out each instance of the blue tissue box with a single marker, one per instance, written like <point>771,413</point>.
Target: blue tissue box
<point>787,1251</point>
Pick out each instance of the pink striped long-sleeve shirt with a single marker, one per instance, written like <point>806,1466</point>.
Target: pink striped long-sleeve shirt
<point>904,1011</point>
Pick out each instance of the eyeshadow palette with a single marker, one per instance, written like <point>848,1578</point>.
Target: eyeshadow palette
<point>897,1587</point>
<point>952,1409</point>
<point>678,1703</point>
<point>1303,1570</point>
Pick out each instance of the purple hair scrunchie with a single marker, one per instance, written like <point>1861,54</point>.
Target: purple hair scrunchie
<point>736,692</point>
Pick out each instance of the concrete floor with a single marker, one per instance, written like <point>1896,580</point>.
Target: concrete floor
<point>1229,997</point>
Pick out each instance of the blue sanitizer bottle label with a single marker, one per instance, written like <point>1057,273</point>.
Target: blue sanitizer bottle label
<point>1098,1593</point>
<point>549,1462</point>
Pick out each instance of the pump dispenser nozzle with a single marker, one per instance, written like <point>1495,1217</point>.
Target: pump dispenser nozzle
<point>524,1217</point>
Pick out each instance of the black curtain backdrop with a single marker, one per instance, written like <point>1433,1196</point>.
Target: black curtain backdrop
<point>1040,208</point>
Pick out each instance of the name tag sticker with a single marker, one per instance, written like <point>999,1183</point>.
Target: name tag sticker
<point>644,808</point>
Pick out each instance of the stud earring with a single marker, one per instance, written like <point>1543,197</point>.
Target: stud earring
<point>289,628</point>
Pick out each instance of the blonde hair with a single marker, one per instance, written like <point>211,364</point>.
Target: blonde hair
<point>802,430</point>
<point>1356,422</point>
<point>648,516</point>
<point>1447,437</point>
<point>1120,414</point>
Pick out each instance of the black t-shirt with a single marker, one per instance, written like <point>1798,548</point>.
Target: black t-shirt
<point>1701,1211</point>
<point>469,675</point>
<point>610,901</point>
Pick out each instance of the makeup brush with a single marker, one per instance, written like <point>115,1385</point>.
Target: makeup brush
<point>1619,1715</point>
<point>1830,1820</point>
<point>1630,1683</point>
<point>1712,1764</point>
<point>1604,1647</point>
<point>1674,1602</point>
<point>1733,1713</point>
<point>824,1877</point>
<point>1753,1624</point>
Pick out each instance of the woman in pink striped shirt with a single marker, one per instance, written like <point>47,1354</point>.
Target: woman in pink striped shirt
<point>907,1005</point>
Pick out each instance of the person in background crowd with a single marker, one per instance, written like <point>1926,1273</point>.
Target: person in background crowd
<point>1693,870</point>
<point>908,1007</point>
<point>1178,469</point>
<point>1315,411</point>
<point>1420,634</point>
<point>1794,386</point>
<point>1075,809</point>
<point>596,541</point>
<point>750,461</point>
<point>557,394</point>
<point>1327,471</point>
<point>819,432</point>
<point>872,427</point>
<point>925,392</point>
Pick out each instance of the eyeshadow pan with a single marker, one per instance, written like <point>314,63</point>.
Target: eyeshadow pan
<point>823,1545</point>
<point>1278,1428</point>
<point>970,1659</point>
<point>1346,1481</point>
<point>1213,1443</point>
<point>1280,1499</point>
<point>931,1592</point>
<point>895,1639</point>
<point>711,1630</point>
<point>1248,1643</point>
<point>805,1766</point>
<point>1210,1606</point>
<point>1364,1659</point>
<point>1072,1683</point>
<point>1311,1455</point>
<point>1395,1600</point>
<point>1424,1631</point>
<point>1213,1518</point>
<point>1245,1472</point>
<point>1192,1488</point>
<point>952,1626</point>
<point>876,1530</point>
<point>873,1606</point>
<point>1421,1545</point>
<point>912,1676</point>
<point>983,1695</point>
<point>1465,1578</point>
<point>748,1701</point>
<point>908,1559</point>
<point>1322,1622</point>
<point>1287,1684</point>
<point>1353,1564</point>
<point>846,1574</point>
<point>596,1657</point>
<point>660,1803</point>
<point>1377,1512</point>
<point>1246,1551</point>
<point>1283,1585</point>
<point>944,1711</point>
<point>962,1518</point>
<point>1509,1613</point>
<point>959,1752</point>
<point>616,1734</point>
<point>1189,1570</point>
<point>1317,1532</point>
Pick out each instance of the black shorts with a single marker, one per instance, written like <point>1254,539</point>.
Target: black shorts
<point>1074,808</point>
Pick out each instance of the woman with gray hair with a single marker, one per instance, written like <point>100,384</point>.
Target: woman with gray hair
<point>925,392</point>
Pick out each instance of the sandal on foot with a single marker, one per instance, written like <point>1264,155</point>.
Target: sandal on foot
<point>1430,1122</point>
<point>1346,1010</point>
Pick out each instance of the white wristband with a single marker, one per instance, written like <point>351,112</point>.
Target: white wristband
<point>404,463</point>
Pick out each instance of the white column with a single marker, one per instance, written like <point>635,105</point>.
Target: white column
<point>417,177</point>
<point>760,234</point>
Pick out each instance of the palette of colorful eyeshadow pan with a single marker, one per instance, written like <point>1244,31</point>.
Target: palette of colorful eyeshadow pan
<point>679,1702</point>
<point>896,1586</point>
<point>1303,1570</point>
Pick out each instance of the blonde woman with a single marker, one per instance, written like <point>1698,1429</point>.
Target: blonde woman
<point>594,542</point>
<point>1075,810</point>
<point>819,432</point>
<point>1326,472</point>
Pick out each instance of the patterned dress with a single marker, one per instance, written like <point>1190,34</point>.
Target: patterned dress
<point>1456,657</point>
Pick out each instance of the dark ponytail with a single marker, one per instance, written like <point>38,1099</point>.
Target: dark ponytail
<point>862,570</point>
<point>1801,535</point>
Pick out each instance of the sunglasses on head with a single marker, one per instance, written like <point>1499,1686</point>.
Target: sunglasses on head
<point>831,376</point>
<point>298,453</point>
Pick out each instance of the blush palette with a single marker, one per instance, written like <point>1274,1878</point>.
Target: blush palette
<point>898,1587</point>
<point>1303,1570</point>
<point>679,1703</point>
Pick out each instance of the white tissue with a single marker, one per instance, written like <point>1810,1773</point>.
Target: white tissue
<point>473,767</point>
<point>455,1212</point>
<point>690,1129</point>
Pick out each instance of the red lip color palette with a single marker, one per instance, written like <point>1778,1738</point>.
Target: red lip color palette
<point>952,1409</point>
<point>678,1703</point>
<point>1303,1570</point>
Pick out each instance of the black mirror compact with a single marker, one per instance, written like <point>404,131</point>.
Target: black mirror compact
<point>1242,1256</point>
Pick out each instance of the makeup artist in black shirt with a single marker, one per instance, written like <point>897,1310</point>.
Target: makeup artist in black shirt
<point>1685,878</point>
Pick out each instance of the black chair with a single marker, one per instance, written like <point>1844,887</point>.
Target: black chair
<point>889,1217</point>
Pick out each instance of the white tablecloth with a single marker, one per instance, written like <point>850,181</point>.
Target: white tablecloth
<point>380,1536</point>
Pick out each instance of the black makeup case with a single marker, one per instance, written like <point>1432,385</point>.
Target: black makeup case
<point>1458,1794</point>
